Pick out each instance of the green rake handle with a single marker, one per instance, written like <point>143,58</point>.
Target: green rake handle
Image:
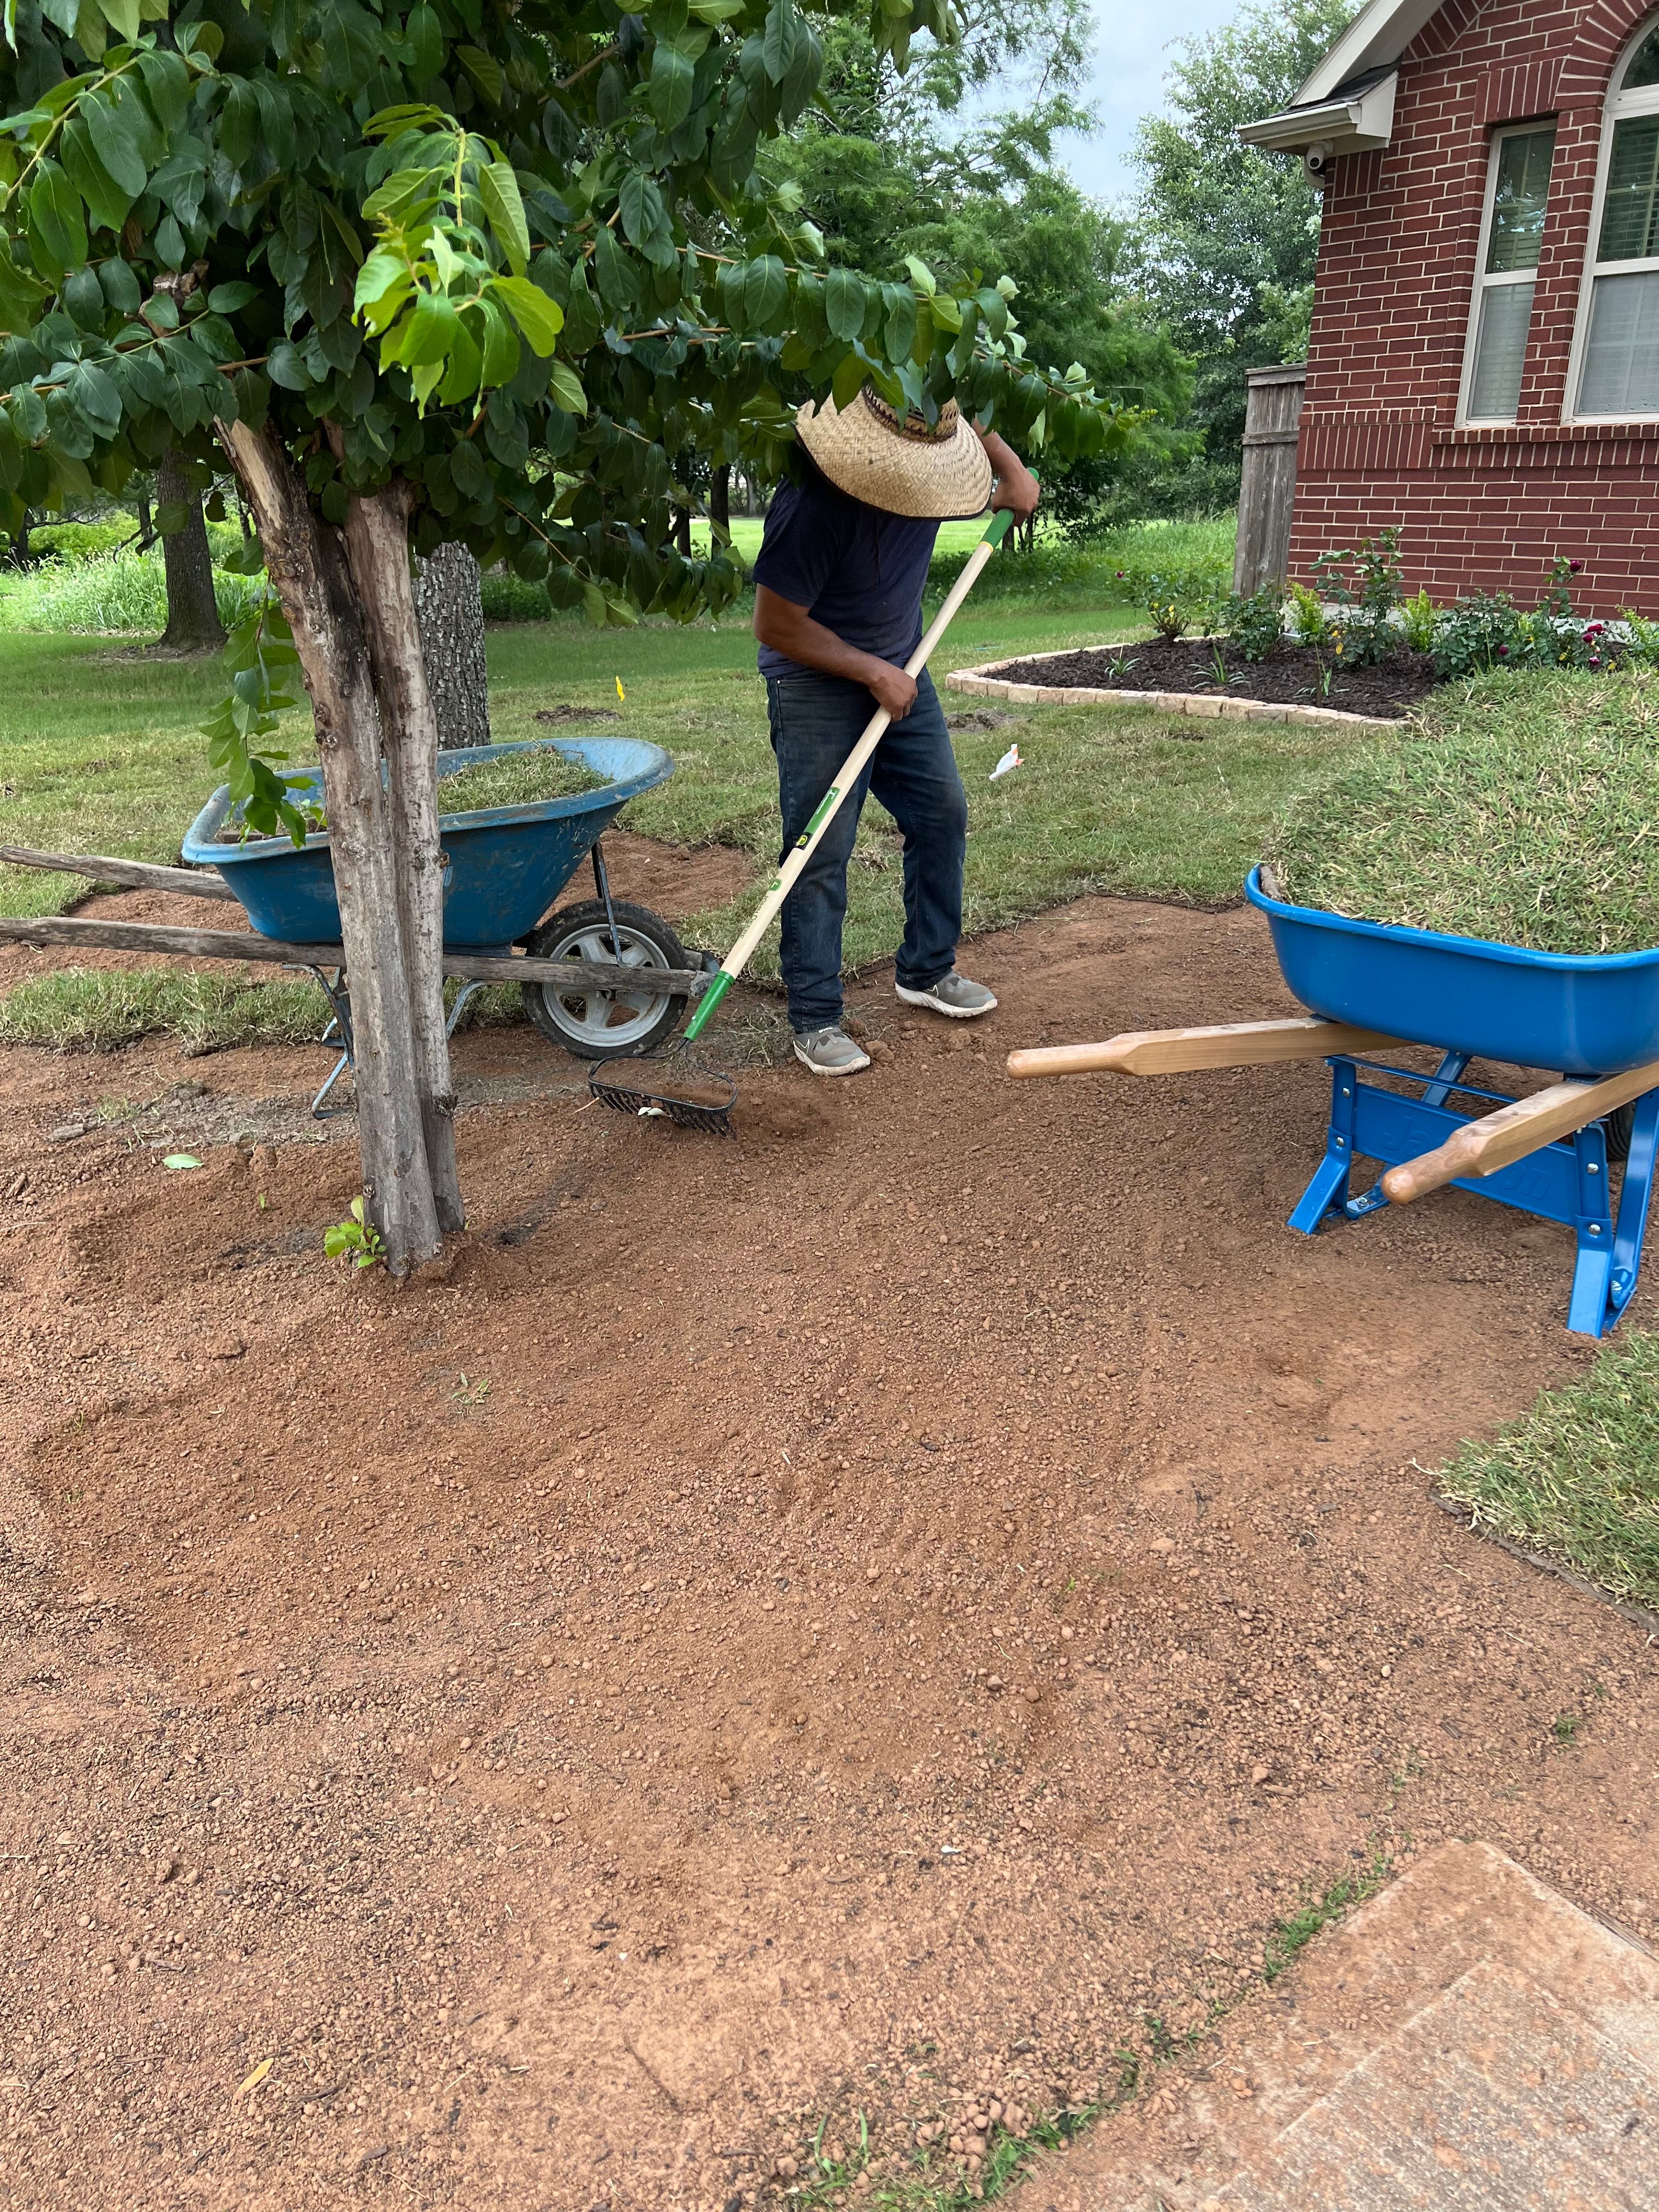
<point>851,768</point>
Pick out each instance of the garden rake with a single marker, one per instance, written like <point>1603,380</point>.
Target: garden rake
<point>705,1102</point>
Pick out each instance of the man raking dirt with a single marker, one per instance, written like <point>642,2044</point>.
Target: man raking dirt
<point>839,582</point>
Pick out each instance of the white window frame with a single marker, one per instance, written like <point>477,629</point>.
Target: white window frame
<point>1620,106</point>
<point>1485,280</point>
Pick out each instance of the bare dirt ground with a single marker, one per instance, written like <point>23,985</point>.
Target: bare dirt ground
<point>879,1614</point>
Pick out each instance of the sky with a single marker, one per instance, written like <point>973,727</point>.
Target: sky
<point>1131,43</point>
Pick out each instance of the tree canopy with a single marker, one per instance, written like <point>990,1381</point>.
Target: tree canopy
<point>1223,236</point>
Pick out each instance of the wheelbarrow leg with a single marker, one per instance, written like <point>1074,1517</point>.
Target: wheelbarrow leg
<point>335,990</point>
<point>602,885</point>
<point>1328,1191</point>
<point>1610,1253</point>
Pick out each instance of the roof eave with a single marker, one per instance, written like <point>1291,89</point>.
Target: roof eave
<point>1343,126</point>
<point>1379,34</point>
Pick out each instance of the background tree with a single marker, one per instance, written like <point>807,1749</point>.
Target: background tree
<point>1223,237</point>
<point>193,623</point>
<point>953,161</point>
<point>449,613</point>
<point>472,270</point>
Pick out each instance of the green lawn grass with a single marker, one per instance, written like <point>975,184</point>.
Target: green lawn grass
<point>100,752</point>
<point>1577,1477</point>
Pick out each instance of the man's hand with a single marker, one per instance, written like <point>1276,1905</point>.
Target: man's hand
<point>1015,487</point>
<point>892,688</point>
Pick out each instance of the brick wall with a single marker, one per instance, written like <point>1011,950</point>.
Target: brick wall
<point>1489,509</point>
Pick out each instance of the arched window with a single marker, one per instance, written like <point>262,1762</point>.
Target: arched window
<point>1616,376</point>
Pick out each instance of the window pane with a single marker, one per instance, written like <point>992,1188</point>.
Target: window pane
<point>1645,64</point>
<point>1500,352</point>
<point>1621,360</point>
<point>1519,191</point>
<point>1631,224</point>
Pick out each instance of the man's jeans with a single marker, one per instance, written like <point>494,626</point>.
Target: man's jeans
<point>816,722</point>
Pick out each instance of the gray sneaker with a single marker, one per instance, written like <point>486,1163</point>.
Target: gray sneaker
<point>952,994</point>
<point>830,1051</point>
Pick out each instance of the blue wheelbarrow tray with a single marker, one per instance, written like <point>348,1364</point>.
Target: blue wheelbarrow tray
<point>505,864</point>
<point>1582,1015</point>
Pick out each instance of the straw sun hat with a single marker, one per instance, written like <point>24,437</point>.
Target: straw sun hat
<point>901,465</point>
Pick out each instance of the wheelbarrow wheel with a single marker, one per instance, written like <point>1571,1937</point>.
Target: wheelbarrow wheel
<point>1619,1127</point>
<point>595,1024</point>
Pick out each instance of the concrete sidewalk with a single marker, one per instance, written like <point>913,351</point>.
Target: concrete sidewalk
<point>1468,2039</point>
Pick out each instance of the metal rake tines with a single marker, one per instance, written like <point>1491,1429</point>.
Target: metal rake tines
<point>712,1113</point>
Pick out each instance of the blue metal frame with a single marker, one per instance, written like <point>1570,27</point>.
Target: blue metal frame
<point>1565,1181</point>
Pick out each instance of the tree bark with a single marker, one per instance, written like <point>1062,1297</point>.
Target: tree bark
<point>449,608</point>
<point>307,563</point>
<point>193,623</point>
<point>720,498</point>
<point>377,550</point>
<point>683,531</point>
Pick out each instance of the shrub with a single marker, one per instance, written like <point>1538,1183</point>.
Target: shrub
<point>1176,599</point>
<point>1521,809</point>
<point>1255,625</point>
<point>1483,631</point>
<point>116,592</point>
<point>1308,623</point>
<point>1368,587</point>
<point>1419,624</point>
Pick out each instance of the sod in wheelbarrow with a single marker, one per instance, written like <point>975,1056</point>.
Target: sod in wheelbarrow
<point>1523,809</point>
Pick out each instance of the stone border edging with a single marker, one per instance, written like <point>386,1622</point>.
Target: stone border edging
<point>1209,705</point>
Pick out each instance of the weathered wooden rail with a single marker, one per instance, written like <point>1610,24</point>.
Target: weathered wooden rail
<point>177,940</point>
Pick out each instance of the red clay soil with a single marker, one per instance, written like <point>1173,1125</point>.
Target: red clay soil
<point>860,1619</point>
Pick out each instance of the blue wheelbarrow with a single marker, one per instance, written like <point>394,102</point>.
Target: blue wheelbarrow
<point>1371,989</point>
<point>503,869</point>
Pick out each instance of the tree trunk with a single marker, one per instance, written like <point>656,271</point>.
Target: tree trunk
<point>449,608</point>
<point>377,549</point>
<point>146,527</point>
<point>682,532</point>
<point>193,623</point>
<point>307,563</point>
<point>720,500</point>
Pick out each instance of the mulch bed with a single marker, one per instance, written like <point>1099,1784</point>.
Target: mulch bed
<point>1289,676</point>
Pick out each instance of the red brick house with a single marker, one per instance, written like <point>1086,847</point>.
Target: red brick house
<point>1484,368</point>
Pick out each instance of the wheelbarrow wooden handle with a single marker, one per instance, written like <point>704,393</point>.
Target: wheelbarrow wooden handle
<point>1497,1140</point>
<point>1175,1052</point>
<point>103,867</point>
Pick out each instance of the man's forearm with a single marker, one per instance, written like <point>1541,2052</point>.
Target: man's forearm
<point>789,631</point>
<point>1016,487</point>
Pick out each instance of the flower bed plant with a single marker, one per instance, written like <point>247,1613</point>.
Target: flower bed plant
<point>1521,809</point>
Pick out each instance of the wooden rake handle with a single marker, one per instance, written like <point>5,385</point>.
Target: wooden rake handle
<point>1497,1140</point>
<point>1177,1052</point>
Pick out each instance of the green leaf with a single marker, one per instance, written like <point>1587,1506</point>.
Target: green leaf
<point>430,331</point>
<point>766,293</point>
<point>643,214</point>
<point>540,318</point>
<point>485,72</point>
<point>226,299</point>
<point>106,203</point>
<point>672,84</point>
<point>122,16</point>
<point>784,33</point>
<point>567,389</point>
<point>498,188</point>
<point>83,297</point>
<point>900,332</point>
<point>921,275</point>
<point>181,1160</point>
<point>284,367</point>
<point>57,231</point>
<point>121,286</point>
<point>114,139</point>
<point>843,304</point>
<point>618,284</point>
<point>849,380</point>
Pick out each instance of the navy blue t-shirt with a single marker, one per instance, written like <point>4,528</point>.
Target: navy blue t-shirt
<point>855,569</point>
